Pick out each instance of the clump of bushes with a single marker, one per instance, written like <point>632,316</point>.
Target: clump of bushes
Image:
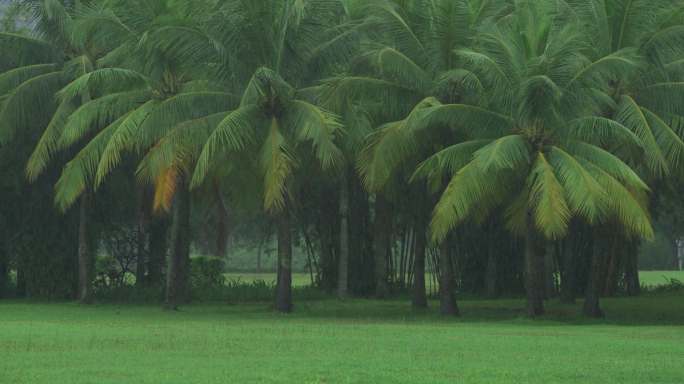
<point>207,273</point>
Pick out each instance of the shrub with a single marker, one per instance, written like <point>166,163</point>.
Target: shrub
<point>206,273</point>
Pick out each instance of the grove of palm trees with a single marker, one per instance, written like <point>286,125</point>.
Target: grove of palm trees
<point>489,171</point>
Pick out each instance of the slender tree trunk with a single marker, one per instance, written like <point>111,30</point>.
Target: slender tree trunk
<point>447,299</point>
<point>179,257</point>
<point>222,226</point>
<point>381,240</point>
<point>22,289</point>
<point>4,272</point>
<point>568,279</point>
<point>141,238</point>
<point>283,299</point>
<point>343,259</point>
<point>328,233</point>
<point>259,250</point>
<point>85,255</point>
<point>549,276</point>
<point>591,299</point>
<point>361,257</point>
<point>610,281</point>
<point>632,270</point>
<point>534,273</point>
<point>419,295</point>
<point>491,286</point>
<point>158,249</point>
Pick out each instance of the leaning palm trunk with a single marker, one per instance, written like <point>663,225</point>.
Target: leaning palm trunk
<point>534,273</point>
<point>447,299</point>
<point>85,256</point>
<point>381,240</point>
<point>283,299</point>
<point>343,260</point>
<point>179,258</point>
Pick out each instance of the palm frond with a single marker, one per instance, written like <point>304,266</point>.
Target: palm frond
<point>48,144</point>
<point>547,200</point>
<point>15,77</point>
<point>233,134</point>
<point>585,196</point>
<point>104,80</point>
<point>122,140</point>
<point>508,152</point>
<point>630,114</point>
<point>79,174</point>
<point>33,99</point>
<point>277,164</point>
<point>99,113</point>
<point>318,126</point>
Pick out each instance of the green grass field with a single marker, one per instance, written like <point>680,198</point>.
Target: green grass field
<point>298,279</point>
<point>648,278</point>
<point>356,341</point>
<point>655,278</point>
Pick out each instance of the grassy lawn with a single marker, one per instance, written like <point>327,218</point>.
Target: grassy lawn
<point>655,278</point>
<point>649,278</point>
<point>298,279</point>
<point>357,341</point>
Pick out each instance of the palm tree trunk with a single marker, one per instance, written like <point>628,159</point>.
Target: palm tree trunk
<point>447,299</point>
<point>534,273</point>
<point>283,299</point>
<point>381,242</point>
<point>343,259</point>
<point>419,295</point>
<point>549,276</point>
<point>141,262</point>
<point>178,263</point>
<point>610,282</point>
<point>567,270</point>
<point>85,255</point>
<point>632,270</point>
<point>4,272</point>
<point>222,226</point>
<point>491,288</point>
<point>591,300</point>
<point>158,249</point>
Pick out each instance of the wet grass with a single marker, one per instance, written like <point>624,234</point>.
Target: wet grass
<point>354,341</point>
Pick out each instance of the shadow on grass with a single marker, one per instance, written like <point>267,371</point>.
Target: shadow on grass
<point>661,309</point>
<point>651,309</point>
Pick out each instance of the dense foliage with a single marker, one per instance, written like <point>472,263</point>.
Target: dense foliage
<point>496,146</point>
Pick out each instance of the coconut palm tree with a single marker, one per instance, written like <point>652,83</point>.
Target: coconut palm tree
<point>276,126</point>
<point>536,138</point>
<point>409,56</point>
<point>647,99</point>
<point>283,45</point>
<point>152,79</point>
<point>58,53</point>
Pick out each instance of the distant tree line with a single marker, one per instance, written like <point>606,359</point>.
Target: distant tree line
<point>499,147</point>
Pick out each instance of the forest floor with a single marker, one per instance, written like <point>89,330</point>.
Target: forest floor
<point>354,341</point>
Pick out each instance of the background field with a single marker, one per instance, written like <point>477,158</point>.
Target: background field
<point>648,278</point>
<point>356,341</point>
<point>656,278</point>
